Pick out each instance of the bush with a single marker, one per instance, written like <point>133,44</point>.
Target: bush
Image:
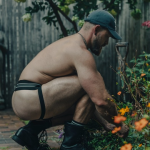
<point>136,112</point>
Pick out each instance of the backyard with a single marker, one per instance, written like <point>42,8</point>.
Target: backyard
<point>27,27</point>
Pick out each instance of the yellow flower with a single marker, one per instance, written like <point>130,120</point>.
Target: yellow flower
<point>140,145</point>
<point>147,64</point>
<point>123,111</point>
<point>148,105</point>
<point>127,109</point>
<point>148,69</point>
<point>125,142</point>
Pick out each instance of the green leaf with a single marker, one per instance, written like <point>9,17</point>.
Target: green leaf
<point>28,9</point>
<point>140,63</point>
<point>133,61</point>
<point>50,13</point>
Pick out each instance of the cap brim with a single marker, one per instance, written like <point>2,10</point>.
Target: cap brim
<point>115,35</point>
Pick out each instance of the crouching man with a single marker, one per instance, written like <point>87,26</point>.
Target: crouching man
<point>62,83</point>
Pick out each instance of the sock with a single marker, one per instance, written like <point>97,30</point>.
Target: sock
<point>36,126</point>
<point>77,123</point>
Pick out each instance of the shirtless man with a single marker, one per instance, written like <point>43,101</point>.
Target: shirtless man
<point>62,83</point>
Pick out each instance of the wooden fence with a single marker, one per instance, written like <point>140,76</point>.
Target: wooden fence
<point>25,40</point>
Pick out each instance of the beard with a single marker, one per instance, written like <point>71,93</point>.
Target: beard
<point>95,48</point>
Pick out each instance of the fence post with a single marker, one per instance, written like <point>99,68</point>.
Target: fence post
<point>2,53</point>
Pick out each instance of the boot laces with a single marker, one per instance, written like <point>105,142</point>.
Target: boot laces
<point>43,141</point>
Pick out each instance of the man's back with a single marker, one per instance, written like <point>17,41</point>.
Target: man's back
<point>53,61</point>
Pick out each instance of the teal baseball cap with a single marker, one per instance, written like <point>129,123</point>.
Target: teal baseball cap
<point>104,19</point>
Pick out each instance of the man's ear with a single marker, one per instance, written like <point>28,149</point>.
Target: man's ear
<point>96,29</point>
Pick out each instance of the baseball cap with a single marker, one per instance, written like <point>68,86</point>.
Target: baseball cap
<point>104,19</point>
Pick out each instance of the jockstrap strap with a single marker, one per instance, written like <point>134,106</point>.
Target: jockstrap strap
<point>28,85</point>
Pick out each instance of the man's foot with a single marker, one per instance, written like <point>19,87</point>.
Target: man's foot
<point>73,137</point>
<point>31,141</point>
<point>28,135</point>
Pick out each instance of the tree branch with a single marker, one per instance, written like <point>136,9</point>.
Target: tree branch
<point>74,24</point>
<point>63,29</point>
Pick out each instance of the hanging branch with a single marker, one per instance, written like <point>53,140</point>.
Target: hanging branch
<point>63,29</point>
<point>74,24</point>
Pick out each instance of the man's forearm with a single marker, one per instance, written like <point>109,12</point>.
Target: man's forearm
<point>98,117</point>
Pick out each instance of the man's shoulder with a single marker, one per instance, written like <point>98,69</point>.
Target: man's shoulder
<point>81,55</point>
<point>77,51</point>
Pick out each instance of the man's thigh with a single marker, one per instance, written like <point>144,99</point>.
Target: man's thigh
<point>60,94</point>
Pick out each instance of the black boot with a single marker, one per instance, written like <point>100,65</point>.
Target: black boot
<point>28,135</point>
<point>73,137</point>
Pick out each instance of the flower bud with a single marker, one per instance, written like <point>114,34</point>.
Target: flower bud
<point>75,18</point>
<point>27,17</point>
<point>146,116</point>
<point>80,23</point>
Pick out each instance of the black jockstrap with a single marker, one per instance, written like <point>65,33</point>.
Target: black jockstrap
<point>28,85</point>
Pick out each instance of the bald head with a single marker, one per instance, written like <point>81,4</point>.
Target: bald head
<point>87,26</point>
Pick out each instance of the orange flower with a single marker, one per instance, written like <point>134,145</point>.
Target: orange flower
<point>143,74</point>
<point>148,105</point>
<point>140,145</point>
<point>134,114</point>
<point>116,130</point>
<point>139,125</point>
<point>118,119</point>
<point>126,147</point>
<point>119,93</point>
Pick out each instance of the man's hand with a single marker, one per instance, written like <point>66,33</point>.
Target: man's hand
<point>124,131</point>
<point>109,127</point>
